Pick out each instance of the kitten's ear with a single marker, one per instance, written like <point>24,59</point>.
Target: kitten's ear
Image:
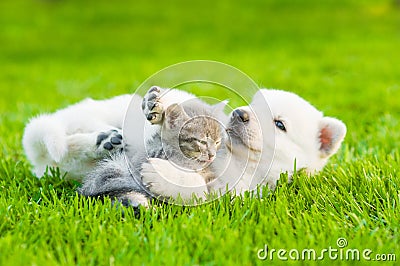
<point>331,133</point>
<point>175,116</point>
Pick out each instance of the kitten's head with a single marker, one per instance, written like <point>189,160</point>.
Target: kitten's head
<point>198,138</point>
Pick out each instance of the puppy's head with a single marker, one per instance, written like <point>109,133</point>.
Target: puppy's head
<point>301,132</point>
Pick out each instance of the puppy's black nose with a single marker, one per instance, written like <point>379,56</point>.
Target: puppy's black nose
<point>242,115</point>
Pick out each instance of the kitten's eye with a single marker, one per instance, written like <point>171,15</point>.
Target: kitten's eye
<point>279,124</point>
<point>203,142</point>
<point>218,143</point>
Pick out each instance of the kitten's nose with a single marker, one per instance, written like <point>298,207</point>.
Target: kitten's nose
<point>243,115</point>
<point>211,157</point>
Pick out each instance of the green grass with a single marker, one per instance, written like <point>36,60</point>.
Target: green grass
<point>341,56</point>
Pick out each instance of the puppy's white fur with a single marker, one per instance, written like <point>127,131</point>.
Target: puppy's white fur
<point>67,138</point>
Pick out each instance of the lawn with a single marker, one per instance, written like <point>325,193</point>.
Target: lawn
<point>342,56</point>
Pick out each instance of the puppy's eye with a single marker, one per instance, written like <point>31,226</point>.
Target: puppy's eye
<point>279,124</point>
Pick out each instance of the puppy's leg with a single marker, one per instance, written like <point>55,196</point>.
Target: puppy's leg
<point>164,179</point>
<point>85,149</point>
<point>96,145</point>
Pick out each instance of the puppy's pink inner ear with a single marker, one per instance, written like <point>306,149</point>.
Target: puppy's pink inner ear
<point>326,139</point>
<point>331,134</point>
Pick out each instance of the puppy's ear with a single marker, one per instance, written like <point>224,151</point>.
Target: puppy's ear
<point>175,116</point>
<point>330,135</point>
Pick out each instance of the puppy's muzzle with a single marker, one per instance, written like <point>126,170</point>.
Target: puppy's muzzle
<point>241,115</point>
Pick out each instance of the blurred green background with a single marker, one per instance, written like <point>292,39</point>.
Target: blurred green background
<point>342,56</point>
<point>66,50</point>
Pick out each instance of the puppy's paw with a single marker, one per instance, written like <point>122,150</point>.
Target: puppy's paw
<point>109,141</point>
<point>157,184</point>
<point>152,107</point>
<point>163,179</point>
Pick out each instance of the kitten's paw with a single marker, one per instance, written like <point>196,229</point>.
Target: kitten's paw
<point>152,107</point>
<point>109,141</point>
